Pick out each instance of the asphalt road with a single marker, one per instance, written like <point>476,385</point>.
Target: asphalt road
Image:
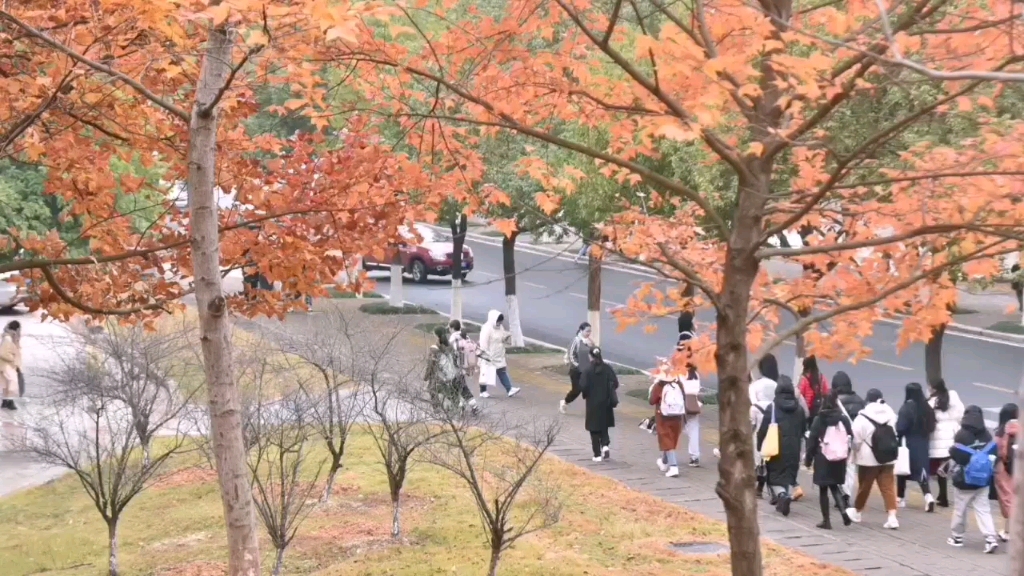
<point>552,296</point>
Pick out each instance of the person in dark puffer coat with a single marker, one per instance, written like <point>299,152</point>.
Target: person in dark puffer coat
<point>843,386</point>
<point>782,470</point>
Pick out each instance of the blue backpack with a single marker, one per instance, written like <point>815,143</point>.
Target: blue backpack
<point>979,469</point>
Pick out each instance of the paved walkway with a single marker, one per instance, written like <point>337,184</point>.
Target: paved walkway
<point>917,549</point>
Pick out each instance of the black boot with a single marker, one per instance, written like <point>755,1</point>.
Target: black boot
<point>8,405</point>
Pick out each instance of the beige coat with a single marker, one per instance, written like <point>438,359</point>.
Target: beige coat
<point>10,363</point>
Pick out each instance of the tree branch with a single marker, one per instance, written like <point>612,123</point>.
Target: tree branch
<point>134,84</point>
<point>845,246</point>
<point>206,109</point>
<point>66,297</point>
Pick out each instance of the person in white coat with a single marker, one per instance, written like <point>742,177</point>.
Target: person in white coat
<point>691,420</point>
<point>10,364</point>
<point>870,471</point>
<point>949,410</point>
<point>762,395</point>
<point>493,339</point>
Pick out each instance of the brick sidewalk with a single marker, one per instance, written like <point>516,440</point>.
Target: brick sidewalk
<point>918,548</point>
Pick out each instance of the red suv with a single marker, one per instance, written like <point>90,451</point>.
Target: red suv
<point>430,257</point>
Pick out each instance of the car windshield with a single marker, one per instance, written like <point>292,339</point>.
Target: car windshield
<point>428,234</point>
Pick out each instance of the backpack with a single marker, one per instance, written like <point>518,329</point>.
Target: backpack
<point>673,401</point>
<point>468,349</point>
<point>885,447</point>
<point>835,444</point>
<point>446,368</point>
<point>979,469</point>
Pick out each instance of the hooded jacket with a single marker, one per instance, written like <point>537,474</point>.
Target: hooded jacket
<point>844,388</point>
<point>764,387</point>
<point>972,434</point>
<point>881,414</point>
<point>946,425</point>
<point>789,415</point>
<point>492,340</point>
<point>826,472</point>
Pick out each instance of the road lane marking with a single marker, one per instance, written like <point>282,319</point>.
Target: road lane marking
<point>578,295</point>
<point>890,365</point>
<point>532,284</point>
<point>996,388</point>
<point>488,274</point>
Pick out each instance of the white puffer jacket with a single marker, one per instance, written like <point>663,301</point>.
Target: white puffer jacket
<point>863,429</point>
<point>947,424</point>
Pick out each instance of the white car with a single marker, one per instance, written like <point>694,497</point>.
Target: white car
<point>10,293</point>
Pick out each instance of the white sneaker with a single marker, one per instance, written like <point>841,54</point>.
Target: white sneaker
<point>673,471</point>
<point>853,514</point>
<point>597,459</point>
<point>512,392</point>
<point>901,503</point>
<point>661,465</point>
<point>892,523</point>
<point>606,452</point>
<point>485,394</point>
<point>1004,535</point>
<point>929,503</point>
<point>561,406</point>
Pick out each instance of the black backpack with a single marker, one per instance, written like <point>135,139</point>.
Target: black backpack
<point>884,444</point>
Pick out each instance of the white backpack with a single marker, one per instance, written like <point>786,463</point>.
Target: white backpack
<point>835,444</point>
<point>673,401</point>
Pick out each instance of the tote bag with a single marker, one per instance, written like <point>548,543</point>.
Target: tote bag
<point>488,374</point>
<point>903,460</point>
<point>770,446</point>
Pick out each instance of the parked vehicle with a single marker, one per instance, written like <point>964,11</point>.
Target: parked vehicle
<point>10,293</point>
<point>431,256</point>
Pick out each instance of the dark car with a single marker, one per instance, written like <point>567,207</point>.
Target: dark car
<point>431,256</point>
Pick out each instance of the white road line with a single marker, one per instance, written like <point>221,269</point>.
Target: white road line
<point>577,295</point>
<point>880,363</point>
<point>996,388</point>
<point>532,284</point>
<point>487,274</point>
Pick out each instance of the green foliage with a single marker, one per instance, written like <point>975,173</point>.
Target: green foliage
<point>385,309</point>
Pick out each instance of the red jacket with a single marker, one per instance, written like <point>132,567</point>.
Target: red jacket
<point>807,391</point>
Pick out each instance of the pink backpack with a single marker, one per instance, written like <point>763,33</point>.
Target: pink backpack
<point>835,445</point>
<point>469,354</point>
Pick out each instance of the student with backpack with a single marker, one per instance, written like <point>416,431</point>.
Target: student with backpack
<point>1006,441</point>
<point>875,448</point>
<point>828,448</point>
<point>687,332</point>
<point>813,387</point>
<point>973,455</point>
<point>670,407</point>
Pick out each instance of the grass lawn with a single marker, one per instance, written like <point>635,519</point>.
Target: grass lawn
<point>174,529</point>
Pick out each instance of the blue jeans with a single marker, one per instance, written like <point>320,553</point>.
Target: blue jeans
<point>668,457</point>
<point>503,379</point>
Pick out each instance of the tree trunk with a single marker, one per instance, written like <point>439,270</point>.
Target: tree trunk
<point>492,569</point>
<point>215,335</point>
<point>933,354</point>
<point>279,562</point>
<point>331,474</point>
<point>395,296</point>
<point>396,516</point>
<point>736,466</point>
<point>114,564</point>
<point>458,242</point>
<point>594,296</point>
<point>508,257</point>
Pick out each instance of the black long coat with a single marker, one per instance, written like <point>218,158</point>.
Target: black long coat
<point>789,415</point>
<point>826,473</point>
<point>599,384</point>
<point>915,433</point>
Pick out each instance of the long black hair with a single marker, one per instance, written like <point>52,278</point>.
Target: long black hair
<point>768,366</point>
<point>941,395</point>
<point>685,321</point>
<point>442,336</point>
<point>812,372</point>
<point>1007,413</point>
<point>924,417</point>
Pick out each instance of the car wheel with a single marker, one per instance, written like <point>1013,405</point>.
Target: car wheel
<point>418,271</point>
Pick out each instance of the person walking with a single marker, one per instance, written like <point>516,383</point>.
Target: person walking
<point>768,366</point>
<point>687,330</point>
<point>446,382</point>
<point>875,448</point>
<point>1006,443</point>
<point>813,387</point>
<point>578,357</point>
<point>10,364</point>
<point>972,471</point>
<point>949,410</point>
<point>493,339</point>
<point>789,421</point>
<point>850,404</point>
<point>670,406</point>
<point>828,449</point>
<point>691,416</point>
<point>763,394</point>
<point>914,426</point>
<point>599,389</point>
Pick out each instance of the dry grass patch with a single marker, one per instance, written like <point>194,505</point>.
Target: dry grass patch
<point>606,529</point>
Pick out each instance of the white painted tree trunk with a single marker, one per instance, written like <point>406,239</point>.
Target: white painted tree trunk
<point>215,331</point>
<point>798,368</point>
<point>515,324</point>
<point>114,565</point>
<point>396,517</point>
<point>594,317</point>
<point>456,311</point>
<point>396,298</point>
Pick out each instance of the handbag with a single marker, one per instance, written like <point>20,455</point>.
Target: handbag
<point>21,384</point>
<point>488,374</point>
<point>770,445</point>
<point>903,460</point>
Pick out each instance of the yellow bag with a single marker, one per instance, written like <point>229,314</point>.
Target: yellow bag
<point>770,445</point>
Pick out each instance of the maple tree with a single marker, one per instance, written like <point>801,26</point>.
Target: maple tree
<point>179,89</point>
<point>765,92</point>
